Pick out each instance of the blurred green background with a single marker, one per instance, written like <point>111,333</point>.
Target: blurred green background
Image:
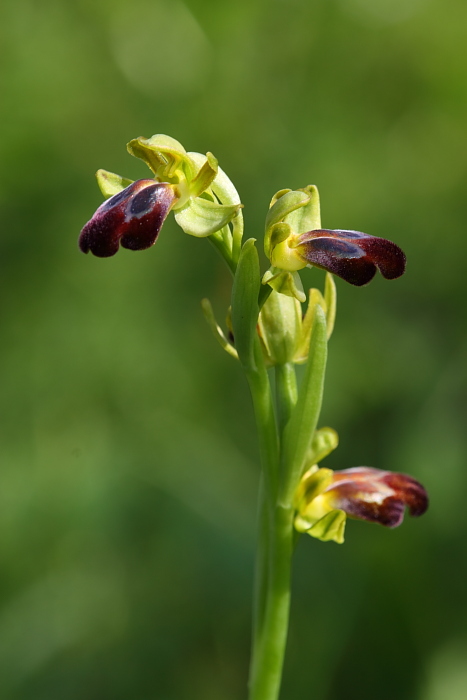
<point>128,455</point>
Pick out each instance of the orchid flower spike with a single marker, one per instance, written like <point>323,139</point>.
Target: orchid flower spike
<point>294,239</point>
<point>201,195</point>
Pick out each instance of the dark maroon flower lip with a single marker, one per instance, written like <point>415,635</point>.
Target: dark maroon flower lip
<point>376,495</point>
<point>132,218</point>
<point>352,255</point>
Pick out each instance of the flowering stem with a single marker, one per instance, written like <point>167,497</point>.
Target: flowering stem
<point>219,243</point>
<point>273,572</point>
<point>268,658</point>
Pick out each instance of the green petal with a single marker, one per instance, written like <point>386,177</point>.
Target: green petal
<point>205,176</point>
<point>312,484</point>
<point>286,203</point>
<point>222,186</point>
<point>201,217</point>
<point>111,183</point>
<point>330,527</point>
<point>163,154</point>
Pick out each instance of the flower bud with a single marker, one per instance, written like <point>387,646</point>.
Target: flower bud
<point>280,327</point>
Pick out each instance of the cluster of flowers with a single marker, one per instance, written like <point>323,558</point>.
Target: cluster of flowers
<point>204,202</point>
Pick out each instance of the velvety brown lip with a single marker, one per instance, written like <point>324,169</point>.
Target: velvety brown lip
<point>376,495</point>
<point>352,255</point>
<point>132,218</point>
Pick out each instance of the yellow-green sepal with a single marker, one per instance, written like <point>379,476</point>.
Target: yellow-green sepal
<point>308,216</point>
<point>330,528</point>
<point>111,183</point>
<point>163,154</point>
<point>288,283</point>
<point>201,217</point>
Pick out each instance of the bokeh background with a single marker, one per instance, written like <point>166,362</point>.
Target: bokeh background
<point>129,463</point>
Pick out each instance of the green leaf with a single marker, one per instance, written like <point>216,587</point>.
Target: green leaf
<point>302,424</point>
<point>201,217</point>
<point>111,183</point>
<point>245,303</point>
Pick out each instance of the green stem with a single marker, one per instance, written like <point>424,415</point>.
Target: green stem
<point>266,670</point>
<point>273,585</point>
<point>269,452</point>
<point>261,571</point>
<point>219,243</point>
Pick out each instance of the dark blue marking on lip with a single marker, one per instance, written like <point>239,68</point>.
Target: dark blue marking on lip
<point>143,201</point>
<point>115,199</point>
<point>337,248</point>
